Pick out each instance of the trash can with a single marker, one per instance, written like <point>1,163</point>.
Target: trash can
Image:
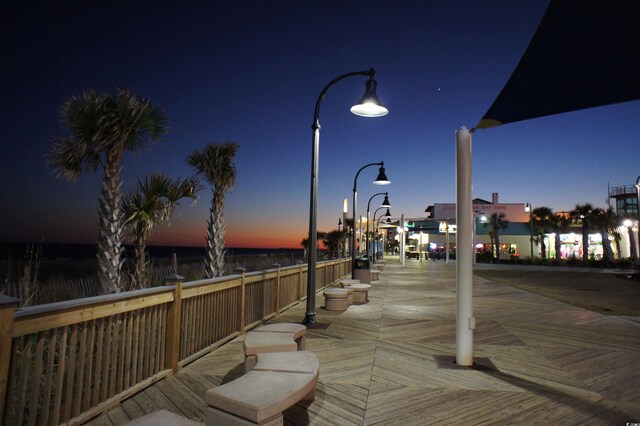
<point>362,270</point>
<point>362,263</point>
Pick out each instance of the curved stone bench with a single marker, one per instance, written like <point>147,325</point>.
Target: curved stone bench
<point>299,331</point>
<point>278,381</point>
<point>348,281</point>
<point>336,299</point>
<point>268,341</point>
<point>360,292</point>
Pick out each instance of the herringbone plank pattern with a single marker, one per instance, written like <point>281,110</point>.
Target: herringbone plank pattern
<point>556,364</point>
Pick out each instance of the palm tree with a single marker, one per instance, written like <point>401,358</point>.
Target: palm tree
<point>605,221</point>
<point>542,218</point>
<point>581,214</point>
<point>332,240</point>
<point>305,241</point>
<point>559,224</point>
<point>632,243</point>
<point>498,223</point>
<point>150,204</point>
<point>215,164</point>
<point>101,128</point>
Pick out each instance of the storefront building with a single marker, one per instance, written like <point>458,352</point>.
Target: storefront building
<point>436,233</point>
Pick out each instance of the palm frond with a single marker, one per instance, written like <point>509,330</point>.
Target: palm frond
<point>215,164</point>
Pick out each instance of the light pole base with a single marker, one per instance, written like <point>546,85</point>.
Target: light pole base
<point>310,319</point>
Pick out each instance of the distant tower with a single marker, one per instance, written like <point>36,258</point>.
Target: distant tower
<point>626,200</point>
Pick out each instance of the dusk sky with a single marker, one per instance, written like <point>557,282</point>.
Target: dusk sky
<point>251,71</point>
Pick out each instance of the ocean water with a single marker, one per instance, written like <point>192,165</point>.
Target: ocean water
<point>50,251</point>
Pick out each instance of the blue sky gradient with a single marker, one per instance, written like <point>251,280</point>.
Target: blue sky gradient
<point>251,71</point>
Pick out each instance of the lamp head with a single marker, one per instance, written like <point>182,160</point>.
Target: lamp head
<point>388,220</point>
<point>382,177</point>
<point>369,105</point>
<point>387,215</point>
<point>386,202</point>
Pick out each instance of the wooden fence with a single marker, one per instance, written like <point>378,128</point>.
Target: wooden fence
<point>67,362</point>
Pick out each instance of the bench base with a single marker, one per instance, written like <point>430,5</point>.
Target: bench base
<point>336,299</point>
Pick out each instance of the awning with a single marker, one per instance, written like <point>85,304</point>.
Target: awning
<point>585,53</point>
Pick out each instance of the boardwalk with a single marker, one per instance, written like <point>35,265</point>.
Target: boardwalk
<point>378,362</point>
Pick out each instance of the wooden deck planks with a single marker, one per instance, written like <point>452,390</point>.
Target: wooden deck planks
<point>557,363</point>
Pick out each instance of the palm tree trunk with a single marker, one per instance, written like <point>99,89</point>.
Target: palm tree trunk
<point>558,245</point>
<point>632,243</point>
<point>607,251</point>
<point>110,225</point>
<point>210,260</point>
<point>543,248</point>
<point>140,278</point>
<point>496,236</point>
<point>219,233</point>
<point>585,244</point>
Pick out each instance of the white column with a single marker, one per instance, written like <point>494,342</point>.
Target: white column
<point>402,238</point>
<point>420,247</point>
<point>465,322</point>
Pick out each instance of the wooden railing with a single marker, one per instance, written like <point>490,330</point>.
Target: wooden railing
<point>67,362</point>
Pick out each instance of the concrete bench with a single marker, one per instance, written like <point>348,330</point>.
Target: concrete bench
<point>360,292</point>
<point>162,418</point>
<point>277,382</point>
<point>274,340</point>
<point>299,331</point>
<point>348,281</point>
<point>375,275</point>
<point>336,299</point>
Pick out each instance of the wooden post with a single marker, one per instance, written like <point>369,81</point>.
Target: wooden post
<point>277,298</point>
<point>300,282</point>
<point>174,320</point>
<point>7,323</point>
<point>241,302</point>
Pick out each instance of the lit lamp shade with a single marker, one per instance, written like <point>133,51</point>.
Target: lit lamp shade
<point>369,105</point>
<point>386,203</point>
<point>382,178</point>
<point>387,215</point>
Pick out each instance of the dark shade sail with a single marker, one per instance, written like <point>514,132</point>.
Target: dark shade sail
<point>585,53</point>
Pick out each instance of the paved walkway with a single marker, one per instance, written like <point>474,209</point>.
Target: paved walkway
<point>555,364</point>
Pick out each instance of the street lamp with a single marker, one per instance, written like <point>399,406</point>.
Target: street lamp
<point>385,203</point>
<point>375,225</point>
<point>380,180</point>
<point>369,106</point>
<point>529,208</point>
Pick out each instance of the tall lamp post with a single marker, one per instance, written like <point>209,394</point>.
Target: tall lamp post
<point>380,180</point>
<point>368,106</point>
<point>529,208</point>
<point>385,203</point>
<point>376,224</point>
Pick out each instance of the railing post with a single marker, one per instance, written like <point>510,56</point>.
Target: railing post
<point>174,323</point>
<point>241,301</point>
<point>300,283</point>
<point>277,298</point>
<point>7,323</point>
